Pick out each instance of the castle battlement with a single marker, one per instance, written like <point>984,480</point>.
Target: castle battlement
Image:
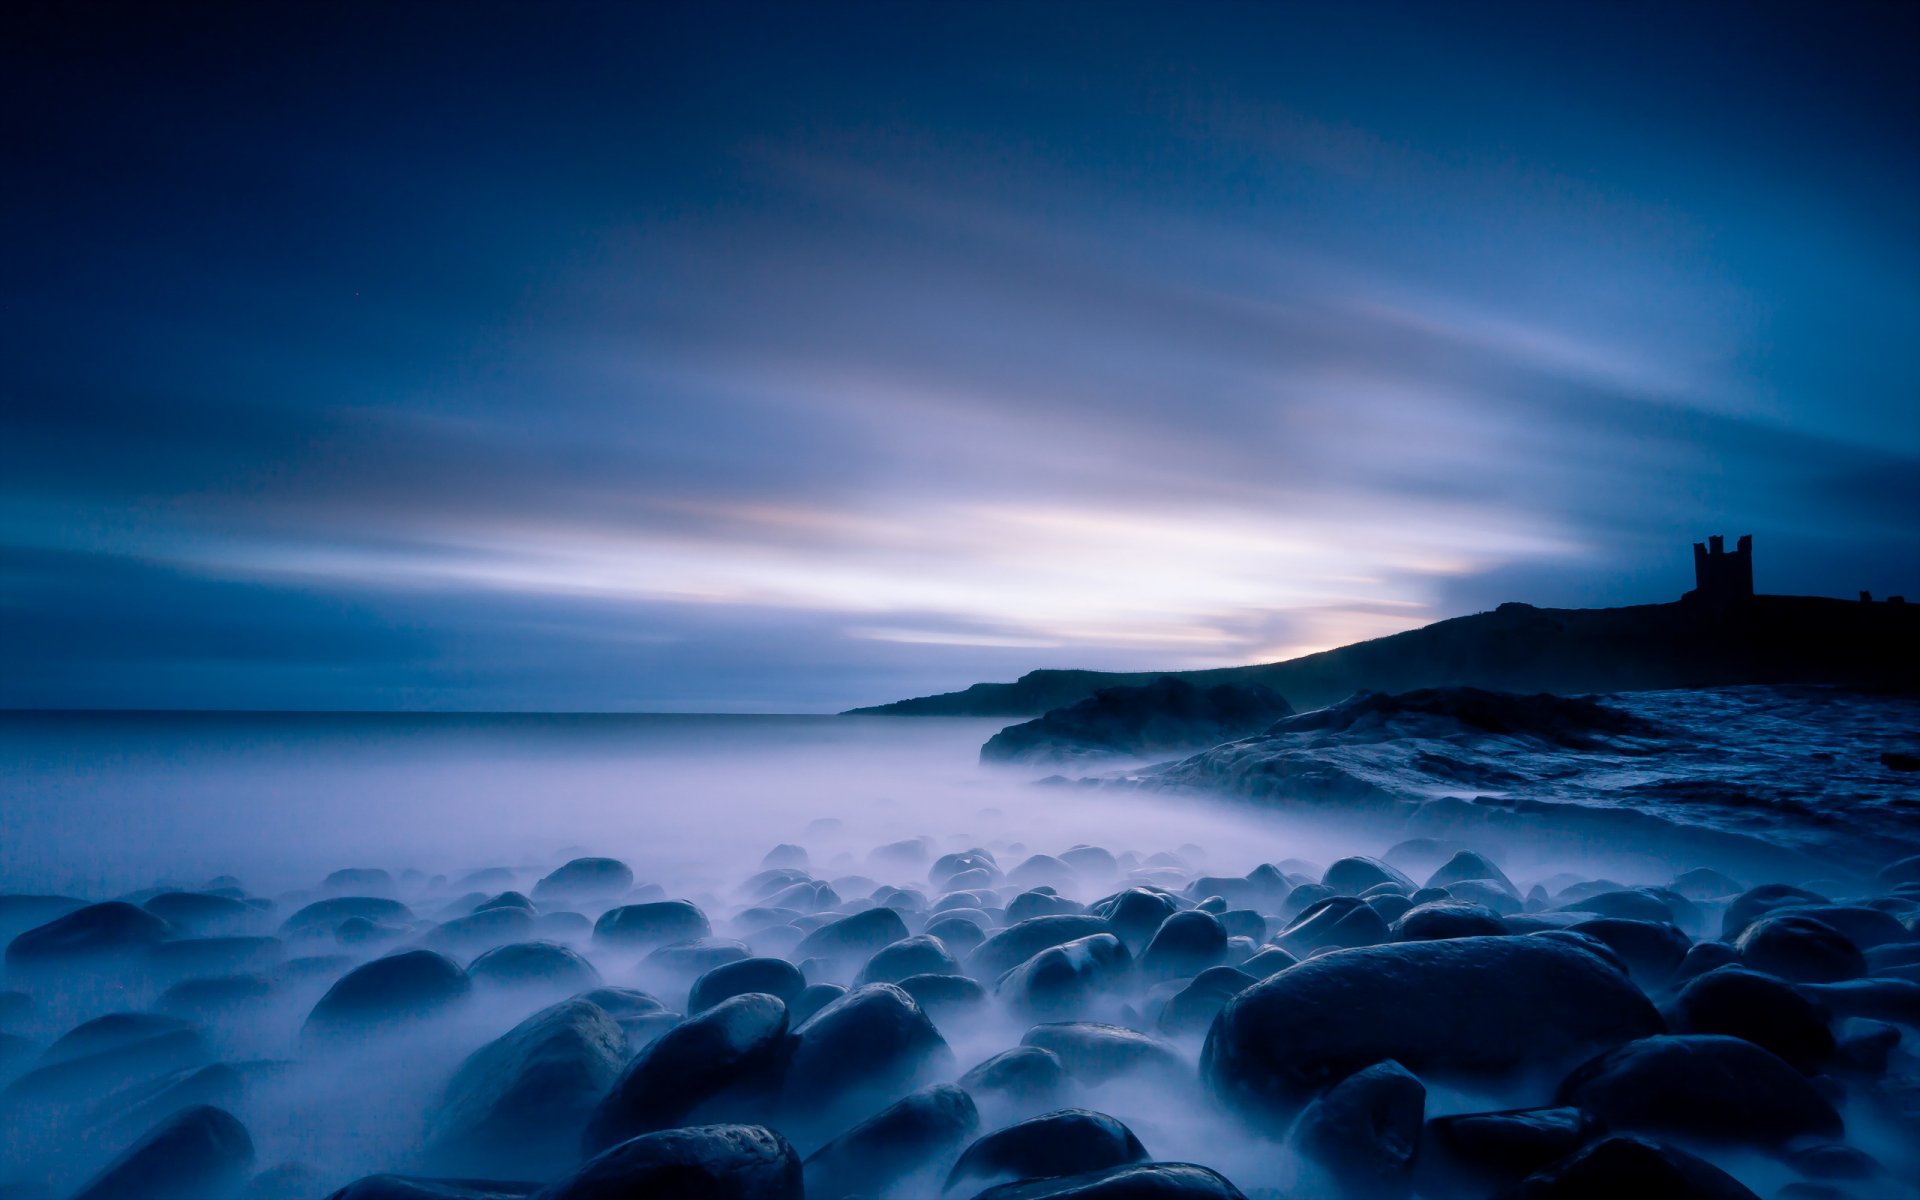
<point>1721,575</point>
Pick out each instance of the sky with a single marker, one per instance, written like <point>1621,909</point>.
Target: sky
<point>729,357</point>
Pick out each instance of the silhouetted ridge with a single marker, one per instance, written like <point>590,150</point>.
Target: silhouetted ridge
<point>1575,723</point>
<point>1164,716</point>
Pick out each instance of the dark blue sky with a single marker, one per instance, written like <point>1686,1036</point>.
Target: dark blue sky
<point>793,357</point>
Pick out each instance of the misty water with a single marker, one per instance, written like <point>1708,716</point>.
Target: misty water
<point>442,812</point>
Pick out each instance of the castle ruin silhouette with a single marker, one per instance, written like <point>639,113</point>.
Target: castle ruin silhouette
<point>1722,576</point>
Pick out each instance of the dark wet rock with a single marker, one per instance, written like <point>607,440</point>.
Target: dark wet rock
<point>1270,961</point>
<point>1246,923</point>
<point>1485,892</point>
<point>1186,944</point>
<point>693,958</point>
<point>867,1048</point>
<point>1041,904</point>
<point>656,923</point>
<point>1015,944</point>
<point>919,955</point>
<point>1866,1049</point>
<point>1065,978</point>
<point>700,1162</point>
<point>815,997</point>
<point>1704,883</point>
<point>1631,904</point>
<point>1024,1077</point>
<point>585,879</point>
<point>113,1052</point>
<point>950,867</point>
<point>1757,1008</point>
<point>772,976</point>
<point>326,915</point>
<point>914,1136</point>
<point>1864,926</point>
<point>856,937</point>
<point>1136,914</point>
<point>359,881</point>
<point>1447,919</point>
<point>516,1106</point>
<point>1191,1010</point>
<point>201,912</point>
<point>1480,1154</point>
<point>1162,717</point>
<point>1895,1000</point>
<point>412,984</point>
<point>20,912</point>
<point>1702,957</point>
<point>97,930</point>
<point>1094,1053</point>
<point>1222,891</point>
<point>1754,903</point>
<point>1619,1167</point>
<point>724,1060</point>
<point>1703,1088</point>
<point>534,964</point>
<point>1390,908</point>
<point>1071,1141</point>
<point>1097,862</point>
<point>572,926</point>
<point>1833,1160</point>
<point>1365,1130</point>
<point>200,1152</point>
<point>1484,1006</point>
<point>1042,869</point>
<point>114,1031</point>
<point>468,935</point>
<point>1468,864</point>
<point>1906,870</point>
<point>945,997</point>
<point>952,901</point>
<point>506,900</point>
<point>1583,941</point>
<point>1800,949</point>
<point>1137,1181</point>
<point>786,854</point>
<point>1353,875</point>
<point>1338,922</point>
<point>1651,950</point>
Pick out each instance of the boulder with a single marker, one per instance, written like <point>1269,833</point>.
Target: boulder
<point>693,958</point>
<point>960,935</point>
<point>857,937</point>
<point>1186,944</point>
<point>1024,1077</point>
<point>1094,1053</point>
<point>699,1162</point>
<point>326,915</point>
<point>400,987</point>
<point>1631,1166</point>
<point>1066,978</point>
<point>728,1058</point>
<point>1757,1008</point>
<point>643,926</point>
<point>1071,1141</point>
<point>1136,914</point>
<point>201,912</point>
<point>1481,1154</point>
<point>915,1137</point>
<point>111,929</point>
<point>1191,1010</point>
<point>1651,951</point>
<point>1704,1088</point>
<point>196,1153</point>
<point>1754,903</point>
<point>585,879</point>
<point>1801,949</point>
<point>1337,922</point>
<point>546,965</point>
<point>516,1106</point>
<point>945,997</point>
<point>1439,919</point>
<point>1364,1131</point>
<point>1465,865</point>
<point>772,976</point>
<point>866,1048</point>
<point>1162,717</point>
<point>920,955</point>
<point>1351,876</point>
<point>1458,1007</point>
<point>1015,944</point>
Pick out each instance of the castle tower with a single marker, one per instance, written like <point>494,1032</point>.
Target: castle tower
<point>1719,575</point>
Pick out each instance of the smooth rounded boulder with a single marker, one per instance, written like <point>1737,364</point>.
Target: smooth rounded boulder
<point>772,976</point>
<point>95,931</point>
<point>515,1107</point>
<point>1702,1087</point>
<point>913,1138</point>
<point>918,955</point>
<point>865,1049</point>
<point>1009,947</point>
<point>400,987</point>
<point>534,965</point>
<point>698,1162</point>
<point>1437,919</point>
<point>1473,1155</point>
<point>1094,1052</point>
<point>1186,944</point>
<point>656,923</point>
<point>194,1153</point>
<point>730,1054</point>
<point>1460,1007</point>
<point>1758,1008</point>
<point>585,879</point>
<point>1064,979</point>
<point>1801,949</point>
<point>1364,1131</point>
<point>1632,1167</point>
<point>856,937</point>
<point>1070,1141</point>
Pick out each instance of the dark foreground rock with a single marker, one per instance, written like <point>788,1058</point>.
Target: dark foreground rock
<point>1072,1141</point>
<point>516,1106</point>
<point>915,1136</point>
<point>199,1153</point>
<point>1164,716</point>
<point>1621,1167</point>
<point>1704,1088</point>
<point>865,1049</point>
<point>400,987</point>
<point>1364,1131</point>
<point>1462,1007</point>
<point>733,1050</point>
<point>1481,1154</point>
<point>699,1162</point>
